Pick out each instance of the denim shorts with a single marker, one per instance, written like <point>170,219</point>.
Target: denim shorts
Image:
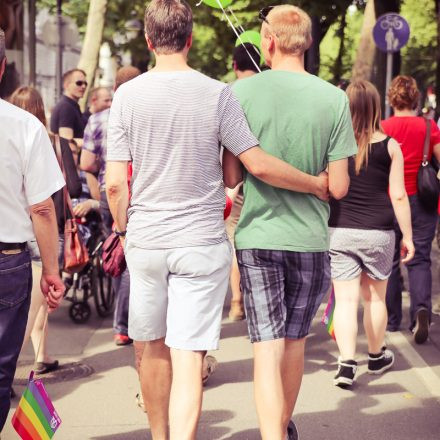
<point>282,291</point>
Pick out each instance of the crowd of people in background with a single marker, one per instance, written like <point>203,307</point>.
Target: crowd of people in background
<point>324,197</point>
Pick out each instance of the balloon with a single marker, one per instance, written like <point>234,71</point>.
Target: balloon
<point>252,37</point>
<point>215,3</point>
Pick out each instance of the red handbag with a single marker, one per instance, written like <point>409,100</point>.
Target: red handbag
<point>113,258</point>
<point>76,255</point>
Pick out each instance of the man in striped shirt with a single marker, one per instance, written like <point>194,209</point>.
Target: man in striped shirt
<point>169,123</point>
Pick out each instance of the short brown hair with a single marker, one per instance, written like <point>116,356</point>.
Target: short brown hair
<point>168,25</point>
<point>29,99</point>
<point>69,73</point>
<point>403,93</point>
<point>125,74</point>
<point>293,28</point>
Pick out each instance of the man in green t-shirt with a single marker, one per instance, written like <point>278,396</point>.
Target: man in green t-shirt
<point>282,236</point>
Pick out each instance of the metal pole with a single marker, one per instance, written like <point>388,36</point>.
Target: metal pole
<point>32,13</point>
<point>388,82</point>
<point>59,56</point>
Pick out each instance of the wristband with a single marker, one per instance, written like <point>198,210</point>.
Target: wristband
<point>120,234</point>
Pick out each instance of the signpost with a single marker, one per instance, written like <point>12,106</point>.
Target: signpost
<point>390,34</point>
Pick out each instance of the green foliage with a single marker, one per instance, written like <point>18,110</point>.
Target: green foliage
<point>419,55</point>
<point>331,43</point>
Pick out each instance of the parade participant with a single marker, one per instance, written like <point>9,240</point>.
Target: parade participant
<point>100,99</point>
<point>169,122</point>
<point>93,160</point>
<point>29,99</point>
<point>66,119</point>
<point>409,130</point>
<point>29,175</point>
<point>243,68</point>
<point>282,237</point>
<point>362,236</point>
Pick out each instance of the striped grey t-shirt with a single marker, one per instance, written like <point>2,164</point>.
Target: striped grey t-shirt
<point>171,125</point>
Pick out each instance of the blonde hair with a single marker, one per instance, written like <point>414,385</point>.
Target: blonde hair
<point>29,99</point>
<point>366,115</point>
<point>292,27</point>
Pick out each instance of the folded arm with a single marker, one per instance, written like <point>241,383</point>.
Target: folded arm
<point>280,174</point>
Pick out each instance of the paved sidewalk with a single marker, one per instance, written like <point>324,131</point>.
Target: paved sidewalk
<point>403,404</point>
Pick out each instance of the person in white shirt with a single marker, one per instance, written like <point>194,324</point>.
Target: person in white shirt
<point>29,175</point>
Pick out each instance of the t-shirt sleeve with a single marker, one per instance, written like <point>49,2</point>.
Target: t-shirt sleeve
<point>435,134</point>
<point>66,117</point>
<point>89,138</point>
<point>342,140</point>
<point>234,131</point>
<point>118,148</point>
<point>42,174</point>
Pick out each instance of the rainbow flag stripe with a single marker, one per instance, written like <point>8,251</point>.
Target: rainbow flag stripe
<point>327,318</point>
<point>35,417</point>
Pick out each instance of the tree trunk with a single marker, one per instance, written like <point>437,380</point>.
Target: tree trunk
<point>312,56</point>
<point>92,42</point>
<point>338,63</point>
<point>363,65</point>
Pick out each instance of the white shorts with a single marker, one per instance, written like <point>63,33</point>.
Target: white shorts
<point>178,294</point>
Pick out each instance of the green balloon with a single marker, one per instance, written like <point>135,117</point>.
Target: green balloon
<point>253,37</point>
<point>215,3</point>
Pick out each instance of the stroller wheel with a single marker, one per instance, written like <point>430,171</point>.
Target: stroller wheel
<point>79,312</point>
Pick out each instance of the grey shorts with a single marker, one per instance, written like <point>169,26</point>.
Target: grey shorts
<point>355,250</point>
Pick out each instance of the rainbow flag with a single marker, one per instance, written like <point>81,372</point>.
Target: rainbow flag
<point>35,417</point>
<point>327,318</point>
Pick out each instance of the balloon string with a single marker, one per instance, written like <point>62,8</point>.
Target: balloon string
<point>236,19</point>
<point>238,35</point>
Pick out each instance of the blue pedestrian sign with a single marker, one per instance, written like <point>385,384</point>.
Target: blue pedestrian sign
<point>391,32</point>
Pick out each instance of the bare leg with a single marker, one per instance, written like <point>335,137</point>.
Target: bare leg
<point>37,336</point>
<point>375,312</point>
<point>345,316</point>
<point>186,393</point>
<point>37,299</point>
<point>269,389</point>
<point>153,363</point>
<point>292,373</point>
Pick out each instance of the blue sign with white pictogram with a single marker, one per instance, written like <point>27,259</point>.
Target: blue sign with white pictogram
<point>391,32</point>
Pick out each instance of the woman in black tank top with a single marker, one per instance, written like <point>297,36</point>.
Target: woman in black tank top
<point>362,236</point>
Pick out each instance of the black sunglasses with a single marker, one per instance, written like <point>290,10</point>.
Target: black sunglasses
<point>262,15</point>
<point>81,83</point>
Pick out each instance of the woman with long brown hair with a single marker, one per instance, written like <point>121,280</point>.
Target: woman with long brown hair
<point>410,131</point>
<point>29,99</point>
<point>362,235</point>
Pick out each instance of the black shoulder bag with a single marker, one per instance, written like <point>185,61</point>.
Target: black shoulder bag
<point>428,186</point>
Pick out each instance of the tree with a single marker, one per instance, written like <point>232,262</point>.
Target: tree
<point>92,40</point>
<point>363,65</point>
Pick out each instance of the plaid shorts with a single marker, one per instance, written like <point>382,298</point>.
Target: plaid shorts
<point>282,291</point>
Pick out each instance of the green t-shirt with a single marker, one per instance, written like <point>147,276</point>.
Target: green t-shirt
<point>306,122</point>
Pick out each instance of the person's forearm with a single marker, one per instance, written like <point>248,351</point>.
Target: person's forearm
<point>232,170</point>
<point>276,172</point>
<point>117,196</point>
<point>46,232</point>
<point>92,183</point>
<point>402,212</point>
